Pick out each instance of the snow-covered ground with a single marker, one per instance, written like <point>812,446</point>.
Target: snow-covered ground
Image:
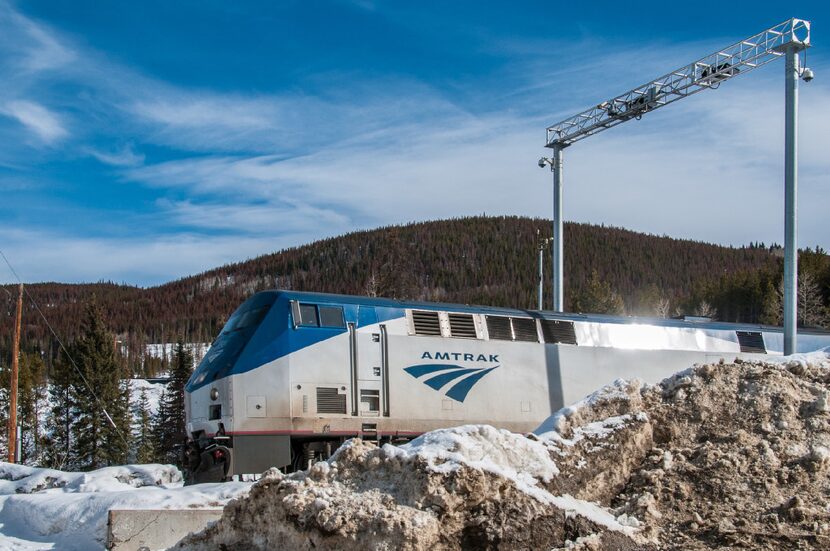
<point>578,462</point>
<point>48,509</point>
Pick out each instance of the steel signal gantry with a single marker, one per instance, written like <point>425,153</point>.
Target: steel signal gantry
<point>786,39</point>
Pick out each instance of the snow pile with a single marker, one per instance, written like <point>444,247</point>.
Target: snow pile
<point>500,452</point>
<point>20,479</point>
<point>718,455</point>
<point>469,486</point>
<point>49,509</point>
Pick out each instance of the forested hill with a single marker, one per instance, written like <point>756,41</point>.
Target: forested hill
<point>478,260</point>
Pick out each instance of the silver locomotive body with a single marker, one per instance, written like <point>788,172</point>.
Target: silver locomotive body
<point>292,375</point>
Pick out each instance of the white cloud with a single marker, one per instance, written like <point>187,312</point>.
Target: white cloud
<point>281,219</point>
<point>33,47</point>
<point>45,124</point>
<point>124,157</point>
<point>145,261</point>
<point>261,172</point>
<point>710,170</point>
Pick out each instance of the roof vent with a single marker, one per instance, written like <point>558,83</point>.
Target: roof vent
<point>558,332</point>
<point>524,329</point>
<point>426,323</point>
<point>462,325</point>
<point>499,328</point>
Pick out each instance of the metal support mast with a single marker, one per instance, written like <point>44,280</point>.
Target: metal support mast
<point>791,71</point>
<point>783,40</point>
<point>541,282</point>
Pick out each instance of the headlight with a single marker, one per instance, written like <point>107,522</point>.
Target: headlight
<point>214,394</point>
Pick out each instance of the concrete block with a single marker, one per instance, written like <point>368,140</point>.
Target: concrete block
<point>152,529</point>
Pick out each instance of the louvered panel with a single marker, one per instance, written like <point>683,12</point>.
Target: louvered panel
<point>524,329</point>
<point>499,328</point>
<point>426,323</point>
<point>330,401</point>
<point>752,342</point>
<point>558,332</point>
<point>462,325</point>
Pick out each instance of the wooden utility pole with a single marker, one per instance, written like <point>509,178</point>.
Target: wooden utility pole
<point>13,390</point>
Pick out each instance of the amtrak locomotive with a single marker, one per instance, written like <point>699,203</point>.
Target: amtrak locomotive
<point>292,375</point>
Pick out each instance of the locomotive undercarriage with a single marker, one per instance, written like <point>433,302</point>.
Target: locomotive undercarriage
<point>211,459</point>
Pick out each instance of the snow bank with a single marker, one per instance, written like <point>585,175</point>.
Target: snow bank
<point>716,456</point>
<point>49,509</point>
<point>498,451</point>
<point>21,479</point>
<point>621,392</point>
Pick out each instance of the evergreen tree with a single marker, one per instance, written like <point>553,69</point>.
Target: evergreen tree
<point>773,308</point>
<point>31,404</point>
<point>59,445</point>
<point>144,447</point>
<point>598,298</point>
<point>101,426</point>
<point>169,426</point>
<point>158,430</point>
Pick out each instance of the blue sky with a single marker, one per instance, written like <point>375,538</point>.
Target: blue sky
<point>142,142</point>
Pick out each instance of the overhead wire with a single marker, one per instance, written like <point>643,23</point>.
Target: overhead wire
<point>66,351</point>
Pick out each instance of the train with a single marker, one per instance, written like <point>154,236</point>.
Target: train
<point>293,374</point>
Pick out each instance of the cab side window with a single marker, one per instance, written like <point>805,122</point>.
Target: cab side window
<point>317,315</point>
<point>308,315</point>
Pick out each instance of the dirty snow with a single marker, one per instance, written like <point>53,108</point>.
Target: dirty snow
<point>716,456</point>
<point>482,447</point>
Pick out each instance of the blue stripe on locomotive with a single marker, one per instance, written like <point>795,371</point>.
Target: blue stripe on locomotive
<point>275,338</point>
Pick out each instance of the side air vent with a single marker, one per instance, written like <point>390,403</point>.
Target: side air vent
<point>330,401</point>
<point>426,323</point>
<point>499,328</point>
<point>462,325</point>
<point>752,342</point>
<point>558,332</point>
<point>525,330</point>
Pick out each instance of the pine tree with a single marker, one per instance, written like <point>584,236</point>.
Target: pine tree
<point>101,425</point>
<point>31,403</point>
<point>598,298</point>
<point>169,426</point>
<point>161,433</point>
<point>59,445</point>
<point>142,434</point>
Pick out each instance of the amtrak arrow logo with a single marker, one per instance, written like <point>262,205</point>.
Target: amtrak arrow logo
<point>440,375</point>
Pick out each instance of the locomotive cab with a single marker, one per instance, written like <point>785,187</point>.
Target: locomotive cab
<point>209,393</point>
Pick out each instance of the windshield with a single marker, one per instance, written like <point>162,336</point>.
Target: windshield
<point>232,339</point>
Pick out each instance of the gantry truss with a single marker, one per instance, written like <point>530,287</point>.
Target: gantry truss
<point>705,73</point>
